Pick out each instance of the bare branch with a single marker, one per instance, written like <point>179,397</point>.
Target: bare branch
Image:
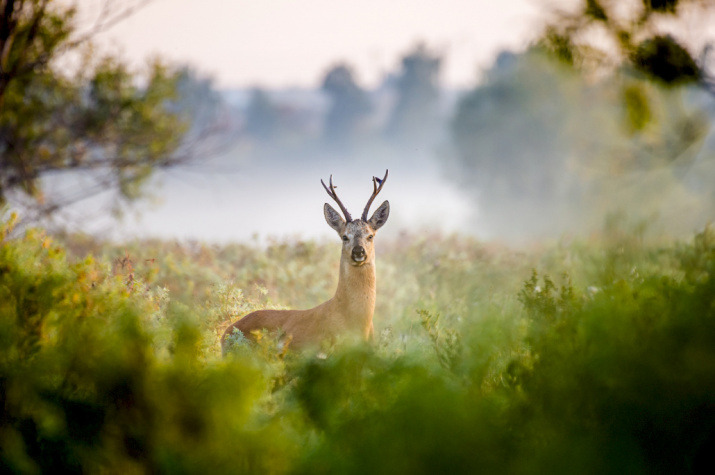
<point>7,25</point>
<point>106,20</point>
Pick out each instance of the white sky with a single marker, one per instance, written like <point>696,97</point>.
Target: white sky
<point>281,43</point>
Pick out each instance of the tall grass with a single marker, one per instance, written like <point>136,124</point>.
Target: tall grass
<point>588,356</point>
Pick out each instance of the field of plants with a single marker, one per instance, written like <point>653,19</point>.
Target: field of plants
<point>584,355</point>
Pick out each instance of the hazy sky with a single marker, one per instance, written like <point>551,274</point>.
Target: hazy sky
<point>279,43</point>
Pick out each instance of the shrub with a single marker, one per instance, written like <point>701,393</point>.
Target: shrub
<point>478,366</point>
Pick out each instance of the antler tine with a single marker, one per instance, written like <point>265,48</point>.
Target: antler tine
<point>375,191</point>
<point>333,195</point>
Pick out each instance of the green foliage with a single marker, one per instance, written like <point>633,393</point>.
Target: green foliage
<point>628,367</point>
<point>446,342</point>
<point>98,119</point>
<point>84,387</point>
<point>602,34</point>
<point>482,364</point>
<point>637,108</point>
<point>663,58</point>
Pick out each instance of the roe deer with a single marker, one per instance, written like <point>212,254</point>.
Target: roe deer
<point>351,308</point>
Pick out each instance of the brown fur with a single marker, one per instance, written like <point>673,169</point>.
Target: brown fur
<point>351,309</point>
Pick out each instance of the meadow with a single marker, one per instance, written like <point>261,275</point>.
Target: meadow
<point>580,355</point>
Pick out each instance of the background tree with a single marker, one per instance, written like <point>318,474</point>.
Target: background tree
<point>609,109</point>
<point>544,151</point>
<point>660,50</point>
<point>262,116</point>
<point>416,112</point>
<point>660,53</point>
<point>349,107</point>
<point>522,96</point>
<point>200,104</point>
<point>666,41</point>
<point>101,118</point>
<point>514,137</point>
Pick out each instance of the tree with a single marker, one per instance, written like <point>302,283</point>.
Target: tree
<point>544,151</point>
<point>660,53</point>
<point>349,107</point>
<point>606,35</point>
<point>606,112</point>
<point>656,49</point>
<point>95,118</point>
<point>262,116</point>
<point>511,141</point>
<point>415,116</point>
<point>517,100</point>
<point>199,104</point>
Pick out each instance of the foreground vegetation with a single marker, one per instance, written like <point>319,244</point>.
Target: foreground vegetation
<point>590,356</point>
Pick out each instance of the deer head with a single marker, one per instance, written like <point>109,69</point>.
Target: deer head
<point>357,235</point>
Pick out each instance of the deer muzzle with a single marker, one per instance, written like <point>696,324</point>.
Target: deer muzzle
<point>359,255</point>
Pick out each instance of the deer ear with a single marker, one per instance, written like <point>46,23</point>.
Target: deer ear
<point>379,217</point>
<point>334,220</point>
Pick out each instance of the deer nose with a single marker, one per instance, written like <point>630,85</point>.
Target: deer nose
<point>358,253</point>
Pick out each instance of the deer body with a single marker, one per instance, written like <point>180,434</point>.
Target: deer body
<point>351,309</point>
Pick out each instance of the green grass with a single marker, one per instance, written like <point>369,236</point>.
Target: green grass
<point>590,356</point>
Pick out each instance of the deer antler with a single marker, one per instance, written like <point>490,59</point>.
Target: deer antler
<point>376,190</point>
<point>333,195</point>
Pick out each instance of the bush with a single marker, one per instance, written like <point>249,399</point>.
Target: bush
<point>83,386</point>
<point>609,368</point>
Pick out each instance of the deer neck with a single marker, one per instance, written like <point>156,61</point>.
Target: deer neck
<point>356,291</point>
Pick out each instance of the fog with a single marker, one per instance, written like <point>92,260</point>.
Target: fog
<point>532,152</point>
<point>547,143</point>
<point>261,198</point>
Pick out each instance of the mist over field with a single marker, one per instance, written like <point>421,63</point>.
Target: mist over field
<point>532,151</point>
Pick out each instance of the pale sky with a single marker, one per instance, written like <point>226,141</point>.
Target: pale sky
<point>283,43</point>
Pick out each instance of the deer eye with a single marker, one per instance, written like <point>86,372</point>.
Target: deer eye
<point>369,238</point>
<point>345,238</point>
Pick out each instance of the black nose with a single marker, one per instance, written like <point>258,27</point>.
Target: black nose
<point>358,251</point>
